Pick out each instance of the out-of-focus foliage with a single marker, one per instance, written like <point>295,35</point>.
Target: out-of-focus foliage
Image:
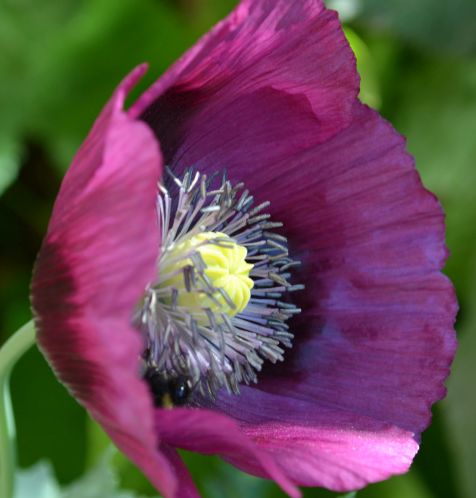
<point>447,26</point>
<point>100,482</point>
<point>369,84</point>
<point>461,402</point>
<point>38,481</point>
<point>437,111</point>
<point>9,162</point>
<point>60,61</point>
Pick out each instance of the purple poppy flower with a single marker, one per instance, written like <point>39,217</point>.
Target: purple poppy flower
<point>270,96</point>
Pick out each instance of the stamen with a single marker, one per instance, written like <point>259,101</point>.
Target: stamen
<point>214,328</point>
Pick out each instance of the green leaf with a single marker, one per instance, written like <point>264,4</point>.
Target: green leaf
<point>100,482</point>
<point>38,481</point>
<point>216,479</point>
<point>10,158</point>
<point>460,406</point>
<point>410,485</point>
<point>436,110</point>
<point>437,25</point>
<point>347,9</point>
<point>369,84</point>
<point>60,63</point>
<point>34,386</point>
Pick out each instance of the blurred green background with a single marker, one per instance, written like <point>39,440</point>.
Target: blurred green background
<point>59,62</point>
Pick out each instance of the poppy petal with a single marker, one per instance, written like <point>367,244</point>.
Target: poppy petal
<point>212,433</point>
<point>319,444</point>
<point>292,49</point>
<point>376,336</point>
<point>186,487</point>
<point>98,256</point>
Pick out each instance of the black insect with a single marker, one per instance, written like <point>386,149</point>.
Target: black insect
<point>168,391</point>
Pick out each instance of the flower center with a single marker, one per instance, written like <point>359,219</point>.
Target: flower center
<point>220,305</point>
<point>226,284</point>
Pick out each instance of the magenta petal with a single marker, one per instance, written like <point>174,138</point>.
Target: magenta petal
<point>185,486</point>
<point>270,95</point>
<point>292,50</point>
<point>319,444</point>
<point>95,262</point>
<point>375,340</point>
<point>212,433</point>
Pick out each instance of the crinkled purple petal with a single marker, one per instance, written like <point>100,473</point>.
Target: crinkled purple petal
<point>96,259</point>
<point>319,444</point>
<point>375,340</point>
<point>269,94</point>
<point>294,52</point>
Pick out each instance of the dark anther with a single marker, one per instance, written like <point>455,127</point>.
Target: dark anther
<point>168,391</point>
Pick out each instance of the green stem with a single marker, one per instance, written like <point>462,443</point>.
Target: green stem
<point>10,353</point>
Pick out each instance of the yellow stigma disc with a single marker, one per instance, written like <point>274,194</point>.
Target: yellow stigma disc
<point>225,268</point>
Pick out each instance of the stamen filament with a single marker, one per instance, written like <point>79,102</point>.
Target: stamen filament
<point>195,322</point>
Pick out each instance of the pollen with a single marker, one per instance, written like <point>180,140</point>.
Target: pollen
<point>226,272</point>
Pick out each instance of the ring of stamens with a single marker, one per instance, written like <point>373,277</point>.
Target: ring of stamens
<point>215,346</point>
